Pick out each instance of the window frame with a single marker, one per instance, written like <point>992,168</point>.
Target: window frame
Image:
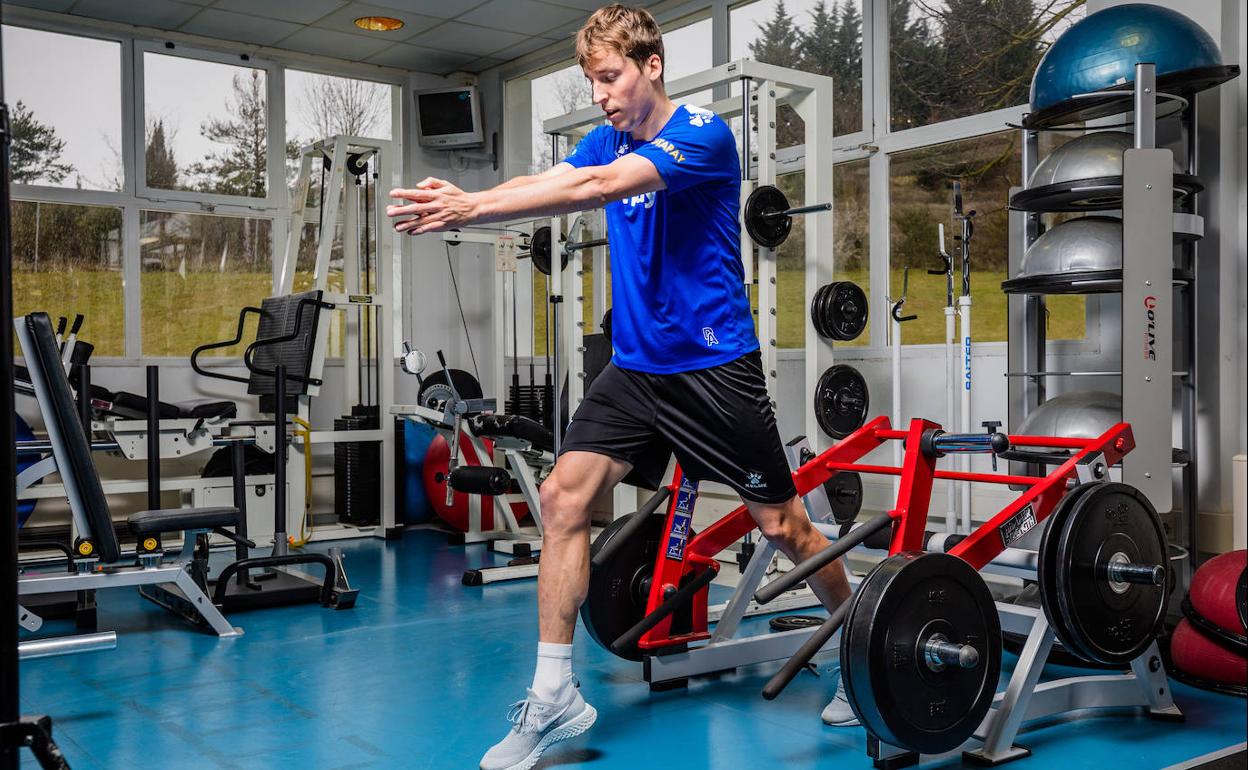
<point>135,197</point>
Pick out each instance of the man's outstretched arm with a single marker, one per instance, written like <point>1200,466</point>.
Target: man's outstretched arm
<point>525,180</point>
<point>439,205</point>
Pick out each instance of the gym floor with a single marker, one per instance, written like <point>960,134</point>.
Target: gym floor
<point>421,672</point>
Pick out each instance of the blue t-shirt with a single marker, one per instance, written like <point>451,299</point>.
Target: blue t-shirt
<point>677,284</point>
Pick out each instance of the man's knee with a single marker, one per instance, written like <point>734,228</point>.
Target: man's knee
<point>784,525</point>
<point>564,511</point>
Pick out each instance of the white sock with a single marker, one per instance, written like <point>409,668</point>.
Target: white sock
<point>553,677</point>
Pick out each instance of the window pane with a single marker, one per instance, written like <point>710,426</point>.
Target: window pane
<point>949,60</point>
<point>211,138</point>
<point>809,35</point>
<point>199,270</point>
<point>850,250</point>
<point>320,106</point>
<point>920,189</point>
<point>67,260</point>
<point>687,51</point>
<point>552,94</point>
<point>52,142</point>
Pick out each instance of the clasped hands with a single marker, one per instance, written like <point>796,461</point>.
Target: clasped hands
<point>435,205</point>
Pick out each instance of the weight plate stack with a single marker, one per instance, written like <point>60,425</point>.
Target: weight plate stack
<point>1097,570</point>
<point>921,651</point>
<point>838,311</point>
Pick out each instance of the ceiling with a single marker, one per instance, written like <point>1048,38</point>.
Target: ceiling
<point>437,36</point>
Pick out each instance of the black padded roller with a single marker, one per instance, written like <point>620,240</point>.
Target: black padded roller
<point>479,480</point>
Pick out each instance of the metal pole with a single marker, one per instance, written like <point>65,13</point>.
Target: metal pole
<point>279,461</point>
<point>153,438</point>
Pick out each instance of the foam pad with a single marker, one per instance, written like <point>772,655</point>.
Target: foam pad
<point>1198,656</point>
<point>1213,590</point>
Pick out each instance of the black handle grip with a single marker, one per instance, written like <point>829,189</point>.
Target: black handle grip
<point>626,532</point>
<point>807,651</point>
<point>822,559</point>
<point>674,602</point>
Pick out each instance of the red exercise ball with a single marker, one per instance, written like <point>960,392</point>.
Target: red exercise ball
<point>1213,590</point>
<point>1201,657</point>
<point>437,461</point>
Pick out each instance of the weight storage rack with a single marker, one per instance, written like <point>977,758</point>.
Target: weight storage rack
<point>1161,228</point>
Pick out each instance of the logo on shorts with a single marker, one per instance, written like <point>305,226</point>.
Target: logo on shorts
<point>754,480</point>
<point>708,334</point>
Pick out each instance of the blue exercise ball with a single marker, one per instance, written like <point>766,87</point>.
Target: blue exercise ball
<point>1101,51</point>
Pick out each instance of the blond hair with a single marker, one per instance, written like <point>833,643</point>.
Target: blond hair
<point>631,32</point>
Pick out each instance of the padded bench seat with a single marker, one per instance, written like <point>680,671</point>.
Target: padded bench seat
<point>178,519</point>
<point>201,408</point>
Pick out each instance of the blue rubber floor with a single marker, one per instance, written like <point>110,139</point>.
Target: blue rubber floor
<point>421,672</point>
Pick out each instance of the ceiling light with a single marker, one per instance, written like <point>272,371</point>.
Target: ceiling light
<point>378,23</point>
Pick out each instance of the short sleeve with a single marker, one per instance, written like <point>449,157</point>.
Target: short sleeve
<point>698,147</point>
<point>588,151</point>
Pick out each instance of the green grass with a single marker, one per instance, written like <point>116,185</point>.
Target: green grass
<point>181,312</point>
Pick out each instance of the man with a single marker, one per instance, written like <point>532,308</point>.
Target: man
<point>686,375</point>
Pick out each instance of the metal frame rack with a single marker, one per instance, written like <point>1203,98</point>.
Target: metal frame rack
<point>1158,252</point>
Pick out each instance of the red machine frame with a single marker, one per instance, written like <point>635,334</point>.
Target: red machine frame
<point>682,556</point>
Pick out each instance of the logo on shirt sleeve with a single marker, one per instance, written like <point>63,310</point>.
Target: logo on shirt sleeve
<point>698,116</point>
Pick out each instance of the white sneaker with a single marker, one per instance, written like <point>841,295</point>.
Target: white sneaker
<point>536,726</point>
<point>839,713</point>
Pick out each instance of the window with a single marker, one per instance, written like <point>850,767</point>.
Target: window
<point>850,250</point>
<point>810,35</point>
<point>199,270</point>
<point>920,189</point>
<point>320,106</point>
<point>950,60</point>
<point>52,142</point>
<point>555,93</point>
<point>66,261</point>
<point>209,138</point>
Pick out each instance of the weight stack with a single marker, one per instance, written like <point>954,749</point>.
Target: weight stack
<point>357,470</point>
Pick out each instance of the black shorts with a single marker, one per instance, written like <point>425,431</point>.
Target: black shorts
<point>718,421</point>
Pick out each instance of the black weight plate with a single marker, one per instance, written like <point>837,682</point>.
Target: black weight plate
<point>898,697</point>
<point>1108,622</point>
<point>540,249</point>
<point>844,491</point>
<point>825,302</point>
<point>1046,563</point>
<point>619,589</point>
<point>434,387</point>
<point>816,314</point>
<point>1095,194</point>
<point>841,401</point>
<point>767,231</point>
<point>846,311</point>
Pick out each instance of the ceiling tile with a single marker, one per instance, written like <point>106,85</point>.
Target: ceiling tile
<point>340,45</point>
<point>161,14</point>
<point>343,20</point>
<point>440,8</point>
<point>520,49</point>
<point>466,38</point>
<point>56,6</point>
<point>482,64</point>
<point>589,6</point>
<point>417,59</point>
<point>235,26</point>
<point>527,16</point>
<point>298,11</point>
<point>565,31</point>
